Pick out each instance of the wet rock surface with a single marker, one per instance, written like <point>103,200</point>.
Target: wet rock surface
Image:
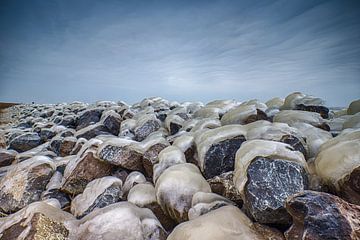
<point>158,169</point>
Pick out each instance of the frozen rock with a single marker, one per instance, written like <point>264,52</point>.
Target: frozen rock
<point>7,157</point>
<point>82,170</point>
<point>266,173</point>
<point>25,142</point>
<point>175,188</point>
<point>151,153</point>
<point>39,220</point>
<point>46,134</point>
<point>174,123</point>
<point>338,164</point>
<point>275,102</point>
<point>224,186</point>
<point>203,203</point>
<point>243,114</point>
<point>216,149</point>
<point>122,152</point>
<point>354,107</point>
<point>227,222</point>
<point>322,216</point>
<point>111,120</point>
<point>294,116</point>
<point>119,221</point>
<point>145,125</point>
<point>62,146</point>
<point>131,180</point>
<point>352,122</point>
<point>24,182</point>
<point>92,131</point>
<point>53,191</point>
<point>89,117</point>
<point>98,193</point>
<point>168,157</point>
<point>143,195</point>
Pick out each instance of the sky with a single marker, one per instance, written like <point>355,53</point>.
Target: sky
<point>88,50</point>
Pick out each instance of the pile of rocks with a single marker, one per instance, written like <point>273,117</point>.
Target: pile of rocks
<point>285,169</point>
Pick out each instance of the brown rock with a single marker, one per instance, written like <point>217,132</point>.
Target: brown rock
<point>67,146</point>
<point>6,157</point>
<point>318,215</point>
<point>150,158</point>
<point>80,171</point>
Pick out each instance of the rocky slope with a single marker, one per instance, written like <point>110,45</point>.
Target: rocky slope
<point>285,169</point>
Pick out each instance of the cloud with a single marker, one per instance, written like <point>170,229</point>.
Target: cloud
<point>128,50</point>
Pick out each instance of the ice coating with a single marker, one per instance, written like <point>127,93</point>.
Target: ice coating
<point>262,148</point>
<point>204,140</point>
<point>275,102</point>
<point>142,194</point>
<point>173,119</point>
<point>133,178</point>
<point>175,188</point>
<point>296,98</point>
<point>315,137</point>
<point>119,221</point>
<point>338,158</point>
<point>151,141</point>
<point>352,122</point>
<point>203,203</point>
<point>294,116</point>
<point>184,142</point>
<point>92,191</point>
<point>227,222</point>
<point>168,157</point>
<point>345,135</point>
<point>207,112</point>
<point>238,115</point>
<point>55,181</point>
<point>206,123</point>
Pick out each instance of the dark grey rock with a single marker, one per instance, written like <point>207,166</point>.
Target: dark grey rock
<point>112,123</point>
<point>324,111</point>
<point>92,131</point>
<point>220,157</point>
<point>25,142</point>
<point>89,117</point>
<point>146,129</point>
<point>6,157</point>
<point>270,182</point>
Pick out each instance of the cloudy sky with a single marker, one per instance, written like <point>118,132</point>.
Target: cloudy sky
<point>89,50</point>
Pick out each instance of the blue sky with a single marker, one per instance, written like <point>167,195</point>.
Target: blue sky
<point>66,50</point>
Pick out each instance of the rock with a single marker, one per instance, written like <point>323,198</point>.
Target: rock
<point>98,193</point>
<point>352,122</point>
<point>6,157</point>
<point>294,116</point>
<point>338,165</point>
<point>112,121</point>
<point>122,152</point>
<point>62,146</point>
<point>82,170</point>
<point>150,156</point>
<point>46,134</point>
<point>243,114</point>
<point>322,216</point>
<point>92,131</point>
<point>24,182</point>
<point>266,173</point>
<point>217,147</point>
<point>38,220</point>
<point>89,117</point>
<point>121,221</point>
<point>146,125</point>
<point>175,188</point>
<point>131,180</point>
<point>275,102</point>
<point>25,142</point>
<point>354,107</point>
<point>224,186</point>
<point>227,222</point>
<point>270,182</point>
<point>174,123</point>
<point>203,203</point>
<point>53,191</point>
<point>168,157</point>
<point>143,195</point>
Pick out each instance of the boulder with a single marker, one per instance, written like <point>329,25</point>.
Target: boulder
<point>39,220</point>
<point>354,107</point>
<point>175,188</point>
<point>89,117</point>
<point>266,173</point>
<point>25,142</point>
<point>24,182</point>
<point>53,191</point>
<point>122,152</point>
<point>294,116</point>
<point>216,149</point>
<point>92,131</point>
<point>338,165</point>
<point>119,221</point>
<point>151,153</point>
<point>7,157</point>
<point>98,193</point>
<point>145,125</point>
<point>318,215</point>
<point>131,180</point>
<point>112,121</point>
<point>82,170</point>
